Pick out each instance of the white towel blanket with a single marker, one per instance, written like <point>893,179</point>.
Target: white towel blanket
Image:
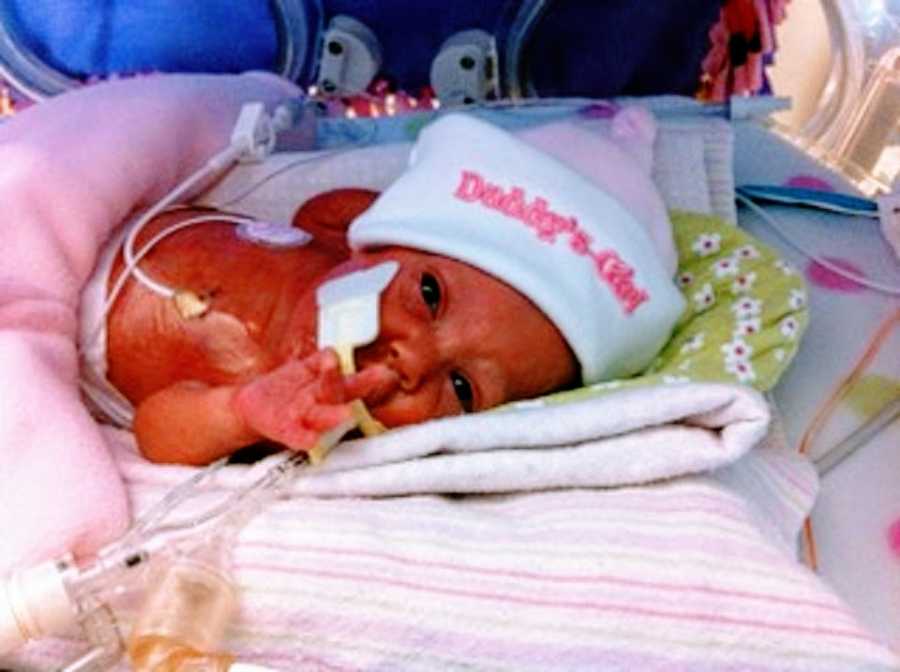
<point>625,438</point>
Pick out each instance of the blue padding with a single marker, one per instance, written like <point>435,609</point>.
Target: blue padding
<point>812,198</point>
<point>621,47</point>
<point>99,37</point>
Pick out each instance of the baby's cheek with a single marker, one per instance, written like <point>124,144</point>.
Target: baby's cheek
<point>396,413</point>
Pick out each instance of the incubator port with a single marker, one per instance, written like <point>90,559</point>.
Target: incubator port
<point>184,620</point>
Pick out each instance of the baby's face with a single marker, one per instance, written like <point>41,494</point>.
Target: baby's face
<point>454,339</point>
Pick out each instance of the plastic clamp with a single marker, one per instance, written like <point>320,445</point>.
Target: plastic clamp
<point>34,603</point>
<point>253,135</point>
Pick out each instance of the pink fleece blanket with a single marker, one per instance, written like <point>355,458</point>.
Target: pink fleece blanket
<point>60,200</point>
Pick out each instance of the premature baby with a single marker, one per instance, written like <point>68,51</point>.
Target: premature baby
<point>517,276</point>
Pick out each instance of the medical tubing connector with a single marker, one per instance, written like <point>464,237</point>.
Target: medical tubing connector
<point>57,596</point>
<point>34,603</point>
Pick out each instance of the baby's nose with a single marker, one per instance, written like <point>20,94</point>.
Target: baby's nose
<point>414,358</point>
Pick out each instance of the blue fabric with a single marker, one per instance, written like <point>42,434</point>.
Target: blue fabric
<point>597,48</point>
<point>811,198</point>
<point>101,37</point>
<point>605,48</point>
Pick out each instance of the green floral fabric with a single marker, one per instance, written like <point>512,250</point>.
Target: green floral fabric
<point>746,311</point>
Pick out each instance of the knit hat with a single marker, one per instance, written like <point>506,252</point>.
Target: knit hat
<point>475,193</point>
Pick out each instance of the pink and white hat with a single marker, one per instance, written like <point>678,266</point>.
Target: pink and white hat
<point>475,193</point>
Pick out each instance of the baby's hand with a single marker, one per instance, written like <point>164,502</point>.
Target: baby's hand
<point>302,399</point>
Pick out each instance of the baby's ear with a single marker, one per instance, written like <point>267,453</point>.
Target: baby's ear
<point>634,130</point>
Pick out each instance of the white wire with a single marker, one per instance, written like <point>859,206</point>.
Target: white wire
<point>834,268</point>
<point>163,290</point>
<point>303,160</point>
<point>218,162</point>
<point>167,291</point>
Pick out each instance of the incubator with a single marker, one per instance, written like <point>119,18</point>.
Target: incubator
<point>183,565</point>
<point>846,88</point>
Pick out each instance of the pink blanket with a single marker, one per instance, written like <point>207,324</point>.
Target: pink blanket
<point>60,200</point>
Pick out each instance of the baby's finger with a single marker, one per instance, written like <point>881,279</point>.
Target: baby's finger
<point>323,418</point>
<point>373,384</point>
<point>323,361</point>
<point>329,387</point>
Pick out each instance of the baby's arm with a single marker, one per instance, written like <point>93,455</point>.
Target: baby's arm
<point>190,423</point>
<point>194,423</point>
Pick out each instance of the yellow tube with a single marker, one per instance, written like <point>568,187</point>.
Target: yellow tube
<point>361,416</point>
<point>369,425</point>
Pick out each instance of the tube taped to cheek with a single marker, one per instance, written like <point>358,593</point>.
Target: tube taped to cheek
<point>349,318</point>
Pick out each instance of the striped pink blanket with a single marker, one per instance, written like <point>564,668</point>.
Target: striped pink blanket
<point>693,573</point>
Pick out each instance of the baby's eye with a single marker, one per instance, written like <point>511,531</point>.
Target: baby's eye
<point>463,391</point>
<point>431,292</point>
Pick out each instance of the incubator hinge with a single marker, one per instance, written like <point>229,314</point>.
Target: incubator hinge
<point>350,57</point>
<point>465,70</point>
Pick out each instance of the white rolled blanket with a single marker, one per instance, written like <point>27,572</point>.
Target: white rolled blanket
<point>625,438</point>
